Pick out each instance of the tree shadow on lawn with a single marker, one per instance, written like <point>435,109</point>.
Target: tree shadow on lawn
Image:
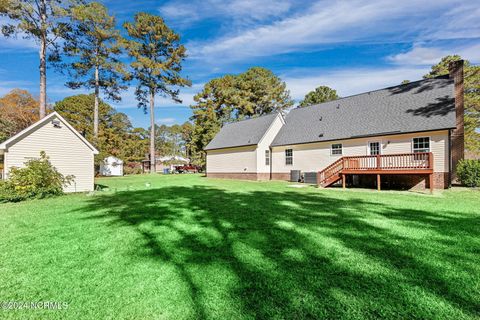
<point>300,255</point>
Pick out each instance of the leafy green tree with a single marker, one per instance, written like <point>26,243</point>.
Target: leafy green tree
<point>157,63</point>
<point>117,137</point>
<point>135,145</point>
<point>220,95</point>
<point>42,20</point>
<point>319,95</point>
<point>232,97</point>
<point>259,91</point>
<point>405,82</point>
<point>441,68</point>
<point>163,144</point>
<point>171,140</point>
<point>472,99</point>
<point>205,126</point>
<point>92,44</point>
<point>78,111</point>
<point>187,131</point>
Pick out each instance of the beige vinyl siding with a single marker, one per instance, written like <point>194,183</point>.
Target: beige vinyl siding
<point>316,156</point>
<point>232,160</point>
<point>67,152</point>
<point>265,143</point>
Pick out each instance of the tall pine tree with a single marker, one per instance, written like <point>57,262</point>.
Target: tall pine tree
<point>42,20</point>
<point>157,63</point>
<point>93,47</point>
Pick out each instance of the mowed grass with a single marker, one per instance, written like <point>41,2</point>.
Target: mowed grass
<point>188,247</point>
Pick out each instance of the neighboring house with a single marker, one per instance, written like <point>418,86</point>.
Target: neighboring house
<point>408,134</point>
<point>111,166</point>
<point>165,162</point>
<point>67,149</point>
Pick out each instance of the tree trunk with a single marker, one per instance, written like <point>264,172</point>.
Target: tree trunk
<point>43,60</point>
<point>95,108</point>
<point>152,132</point>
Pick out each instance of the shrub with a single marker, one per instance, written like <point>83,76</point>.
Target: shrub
<point>7,192</point>
<point>39,179</point>
<point>132,168</point>
<point>468,172</point>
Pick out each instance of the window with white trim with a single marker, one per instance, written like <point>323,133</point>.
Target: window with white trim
<point>288,157</point>
<point>374,148</point>
<point>267,157</point>
<point>421,144</point>
<point>336,149</point>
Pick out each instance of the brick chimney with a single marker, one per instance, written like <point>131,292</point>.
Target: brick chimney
<point>457,137</point>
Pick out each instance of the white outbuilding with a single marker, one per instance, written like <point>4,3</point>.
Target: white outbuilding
<point>111,166</point>
<point>68,151</point>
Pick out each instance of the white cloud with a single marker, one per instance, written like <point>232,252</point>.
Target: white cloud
<point>329,22</point>
<point>421,55</point>
<point>241,11</point>
<point>351,81</point>
<point>459,21</point>
<point>15,42</point>
<point>166,121</point>
<point>7,86</point>
<point>186,95</point>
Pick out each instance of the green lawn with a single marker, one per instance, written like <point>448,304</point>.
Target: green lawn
<point>188,247</point>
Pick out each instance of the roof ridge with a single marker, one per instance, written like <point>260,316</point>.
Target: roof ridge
<point>376,90</point>
<point>252,118</point>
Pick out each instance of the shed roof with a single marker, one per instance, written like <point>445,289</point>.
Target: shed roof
<point>19,136</point>
<point>242,133</point>
<point>424,105</point>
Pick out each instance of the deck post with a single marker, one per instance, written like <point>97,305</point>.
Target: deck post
<point>379,182</point>
<point>430,182</point>
<point>344,181</point>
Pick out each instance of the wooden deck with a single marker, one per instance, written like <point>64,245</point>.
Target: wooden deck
<point>397,164</point>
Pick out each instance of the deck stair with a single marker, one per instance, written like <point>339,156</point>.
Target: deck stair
<point>330,174</point>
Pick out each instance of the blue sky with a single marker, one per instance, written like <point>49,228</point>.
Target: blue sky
<point>352,46</point>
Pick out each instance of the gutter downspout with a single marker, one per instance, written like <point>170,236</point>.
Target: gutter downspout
<point>271,161</point>
<point>450,160</point>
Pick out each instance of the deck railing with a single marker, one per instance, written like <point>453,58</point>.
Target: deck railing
<point>402,162</point>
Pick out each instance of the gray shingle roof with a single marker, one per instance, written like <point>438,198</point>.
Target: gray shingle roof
<point>418,106</point>
<point>242,133</point>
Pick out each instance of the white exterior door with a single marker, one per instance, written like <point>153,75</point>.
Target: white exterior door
<point>373,149</point>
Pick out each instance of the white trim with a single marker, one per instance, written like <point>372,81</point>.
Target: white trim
<point>6,144</point>
<point>2,171</point>
<point>379,146</point>
<point>429,143</point>
<point>331,149</point>
<point>270,127</point>
<point>285,153</point>
<point>268,157</point>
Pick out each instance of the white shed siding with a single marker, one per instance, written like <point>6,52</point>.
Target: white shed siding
<point>316,156</point>
<point>67,152</point>
<point>232,160</point>
<point>265,143</point>
<point>111,166</point>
